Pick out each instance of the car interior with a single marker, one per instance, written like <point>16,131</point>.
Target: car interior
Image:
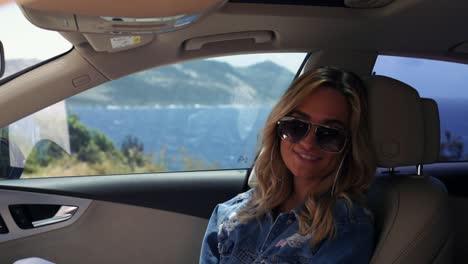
<point>420,203</point>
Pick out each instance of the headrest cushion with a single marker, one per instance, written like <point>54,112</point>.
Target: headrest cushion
<point>396,122</point>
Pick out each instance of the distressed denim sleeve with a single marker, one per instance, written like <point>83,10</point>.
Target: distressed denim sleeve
<point>353,243</point>
<point>209,250</point>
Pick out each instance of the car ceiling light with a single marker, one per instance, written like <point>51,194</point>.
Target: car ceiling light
<point>119,17</point>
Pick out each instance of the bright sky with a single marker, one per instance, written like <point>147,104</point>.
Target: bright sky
<point>21,39</point>
<point>432,79</point>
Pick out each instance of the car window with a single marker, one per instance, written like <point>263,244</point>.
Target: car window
<point>25,44</point>
<point>445,82</point>
<point>197,115</point>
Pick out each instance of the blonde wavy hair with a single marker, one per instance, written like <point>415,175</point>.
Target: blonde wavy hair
<point>353,176</point>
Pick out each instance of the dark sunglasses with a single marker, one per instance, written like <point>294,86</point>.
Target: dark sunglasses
<point>329,139</point>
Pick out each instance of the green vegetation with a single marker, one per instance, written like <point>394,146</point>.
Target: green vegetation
<point>191,163</point>
<point>93,153</point>
<point>452,148</point>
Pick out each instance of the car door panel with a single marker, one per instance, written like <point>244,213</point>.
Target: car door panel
<point>191,193</point>
<point>115,233</point>
<point>142,218</point>
<point>14,198</point>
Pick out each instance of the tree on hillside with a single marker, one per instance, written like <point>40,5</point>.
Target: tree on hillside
<point>132,149</point>
<point>89,146</point>
<point>452,148</point>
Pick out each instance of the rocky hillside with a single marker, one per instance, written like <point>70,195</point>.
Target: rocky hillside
<point>204,82</point>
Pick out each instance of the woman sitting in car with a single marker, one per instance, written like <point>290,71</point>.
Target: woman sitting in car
<point>313,170</point>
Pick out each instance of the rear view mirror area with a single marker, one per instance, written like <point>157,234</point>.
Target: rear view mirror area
<point>2,60</point>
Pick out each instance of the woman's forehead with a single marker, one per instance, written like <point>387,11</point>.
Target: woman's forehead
<point>324,105</point>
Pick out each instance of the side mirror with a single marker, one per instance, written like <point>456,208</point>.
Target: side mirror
<point>2,60</point>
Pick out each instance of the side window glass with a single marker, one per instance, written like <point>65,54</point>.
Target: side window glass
<point>197,115</point>
<point>444,82</point>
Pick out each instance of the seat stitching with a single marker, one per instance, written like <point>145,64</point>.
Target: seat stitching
<point>378,250</point>
<point>420,234</point>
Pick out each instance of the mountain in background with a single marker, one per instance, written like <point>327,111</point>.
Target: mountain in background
<point>204,82</point>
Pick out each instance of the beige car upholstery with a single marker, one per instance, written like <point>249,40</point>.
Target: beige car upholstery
<point>397,123</point>
<point>411,211</point>
<point>113,233</point>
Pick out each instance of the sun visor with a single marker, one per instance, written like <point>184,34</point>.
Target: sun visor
<point>123,26</point>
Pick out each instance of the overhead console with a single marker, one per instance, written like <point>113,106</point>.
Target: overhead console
<point>110,25</point>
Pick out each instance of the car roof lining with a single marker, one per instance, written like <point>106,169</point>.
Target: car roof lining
<point>389,30</point>
<point>124,8</point>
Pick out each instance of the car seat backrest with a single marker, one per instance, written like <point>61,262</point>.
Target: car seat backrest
<point>411,211</point>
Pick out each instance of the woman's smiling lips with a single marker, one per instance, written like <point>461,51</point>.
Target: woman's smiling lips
<point>307,156</point>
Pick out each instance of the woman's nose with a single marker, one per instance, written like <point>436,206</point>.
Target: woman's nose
<point>309,141</point>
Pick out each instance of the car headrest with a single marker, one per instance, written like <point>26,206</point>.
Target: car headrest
<point>404,127</point>
<point>432,130</point>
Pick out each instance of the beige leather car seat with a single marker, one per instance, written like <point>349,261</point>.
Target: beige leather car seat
<point>411,211</point>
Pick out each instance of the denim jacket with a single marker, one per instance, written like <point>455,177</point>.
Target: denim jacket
<point>269,240</point>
